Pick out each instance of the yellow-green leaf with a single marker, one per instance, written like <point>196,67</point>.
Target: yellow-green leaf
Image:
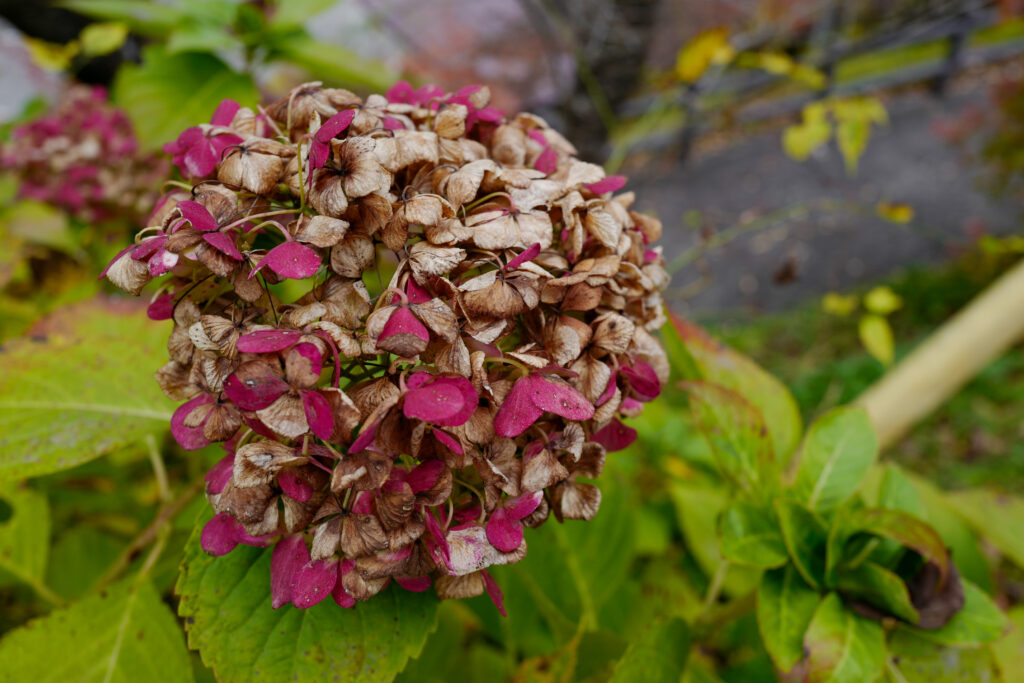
<point>876,336</point>
<point>51,56</point>
<point>709,47</point>
<point>895,213</point>
<point>102,38</point>
<point>842,305</point>
<point>882,301</point>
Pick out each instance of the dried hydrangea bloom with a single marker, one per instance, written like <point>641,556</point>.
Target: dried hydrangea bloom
<point>83,157</point>
<point>408,429</point>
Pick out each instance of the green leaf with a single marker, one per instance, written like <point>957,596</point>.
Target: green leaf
<point>102,38</point>
<point>997,517</point>
<point>838,451</point>
<point>25,535</point>
<point>151,19</point>
<point>897,492</point>
<point>842,646</point>
<point>168,93</point>
<point>978,623</point>
<point>657,656</point>
<point>90,551</point>
<point>876,336</point>
<point>338,66</point>
<point>295,13</point>
<point>202,38</point>
<point>904,529</point>
<point>785,607</point>
<point>801,139</point>
<point>879,587</point>
<point>1009,651</point>
<point>750,535</point>
<point>717,363</point>
<point>225,602</point>
<point>735,431</point>
<point>806,538</point>
<point>919,660</point>
<point>81,388</point>
<point>125,634</point>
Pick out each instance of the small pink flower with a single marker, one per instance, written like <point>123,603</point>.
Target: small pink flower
<point>615,436</point>
<point>197,151</point>
<point>223,533</point>
<point>320,147</point>
<point>442,401</point>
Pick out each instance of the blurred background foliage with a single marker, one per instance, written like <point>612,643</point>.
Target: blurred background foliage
<point>668,91</point>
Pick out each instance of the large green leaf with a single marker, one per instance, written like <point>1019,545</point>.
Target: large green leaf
<point>905,530</point>
<point>334,64</point>
<point>736,433</point>
<point>125,634</point>
<point>225,602</point>
<point>143,16</point>
<point>1009,651</point>
<point>842,646</point>
<point>978,623</point>
<point>715,362</point>
<point>168,93</point>
<point>785,607</point>
<point>657,656</point>
<point>80,387</point>
<point>996,516</point>
<point>25,535</point>
<point>918,660</point>
<point>750,535</point>
<point>838,451</point>
<point>806,540</point>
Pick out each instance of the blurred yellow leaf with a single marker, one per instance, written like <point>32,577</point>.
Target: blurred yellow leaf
<point>882,300</point>
<point>800,139</point>
<point>876,336</point>
<point>854,117</point>
<point>997,246</point>
<point>839,304</point>
<point>707,48</point>
<point>895,213</point>
<point>102,38</point>
<point>773,62</point>
<point>867,109</point>
<point>808,75</point>
<point>51,56</point>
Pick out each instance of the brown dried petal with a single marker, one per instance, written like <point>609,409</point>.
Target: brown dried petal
<point>541,471</point>
<point>577,501</point>
<point>285,416</point>
<point>428,261</point>
<point>255,172</point>
<point>395,505</point>
<point>320,231</point>
<point>362,535</point>
<point>458,587</point>
<point>258,463</point>
<point>174,381</point>
<point>129,274</point>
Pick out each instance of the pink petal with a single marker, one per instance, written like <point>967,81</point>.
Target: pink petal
<point>318,413</point>
<point>220,535</point>
<point>162,307</point>
<point>256,393</point>
<point>294,486</point>
<point>289,556</point>
<point>312,353</point>
<point>442,402</point>
<point>292,260</point>
<point>402,321</point>
<point>318,152</point>
<point>609,389</point>
<point>161,262</point>
<point>494,591</point>
<point>490,114</point>
<point>503,531</point>
<point>610,183</point>
<point>189,438</point>
<point>365,438</point>
<point>441,551</point>
<point>424,476</point>
<point>643,379</point>
<point>196,214</point>
<point>547,162</point>
<point>267,341</point>
<point>363,504</point>
<point>225,113</point>
<point>148,247</point>
<point>219,475</point>
<point>418,379</point>
<point>339,594</point>
<point>449,441</point>
<point>631,407</point>
<point>518,411</point>
<point>615,436</point>
<point>560,399</point>
<point>523,506</point>
<point>537,137</point>
<point>401,92</point>
<point>416,584</point>
<point>391,123</point>
<point>224,244</point>
<point>416,294</point>
<point>314,582</point>
<point>200,160</point>
<point>334,125</point>
<point>524,256</point>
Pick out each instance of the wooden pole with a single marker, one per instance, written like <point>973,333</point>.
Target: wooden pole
<point>948,359</point>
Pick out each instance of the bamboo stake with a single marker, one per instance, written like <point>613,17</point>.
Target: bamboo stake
<point>947,360</point>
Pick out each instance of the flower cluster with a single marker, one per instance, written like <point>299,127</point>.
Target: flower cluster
<point>477,319</point>
<point>83,158</point>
